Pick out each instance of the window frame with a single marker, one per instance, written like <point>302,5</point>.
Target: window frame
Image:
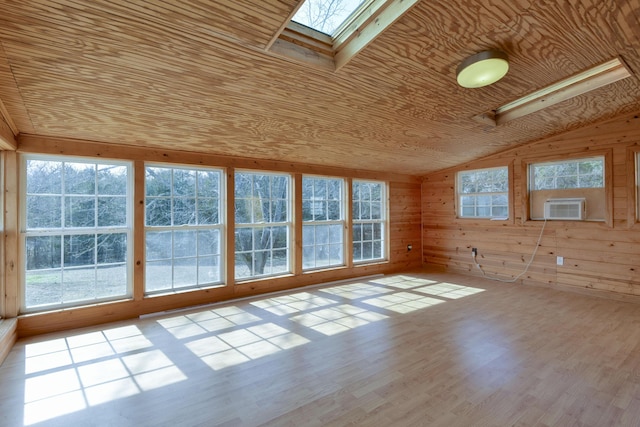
<point>383,221</point>
<point>527,163</point>
<point>633,186</point>
<point>64,231</point>
<point>288,224</point>
<point>173,228</point>
<point>314,223</point>
<point>3,289</point>
<point>341,28</point>
<point>460,194</point>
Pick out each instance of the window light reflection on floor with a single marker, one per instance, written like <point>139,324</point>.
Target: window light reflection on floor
<point>66,375</point>
<point>449,290</point>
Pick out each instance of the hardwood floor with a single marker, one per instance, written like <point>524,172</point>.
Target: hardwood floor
<point>415,349</point>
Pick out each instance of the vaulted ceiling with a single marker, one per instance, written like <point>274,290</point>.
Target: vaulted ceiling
<point>196,75</point>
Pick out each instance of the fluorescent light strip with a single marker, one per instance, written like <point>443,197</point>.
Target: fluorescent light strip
<point>578,84</point>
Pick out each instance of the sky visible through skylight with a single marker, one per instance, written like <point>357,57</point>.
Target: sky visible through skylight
<point>326,16</point>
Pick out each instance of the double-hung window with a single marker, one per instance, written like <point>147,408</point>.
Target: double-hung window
<point>368,221</point>
<point>323,222</point>
<point>183,228</point>
<point>77,231</point>
<point>262,224</point>
<point>483,193</point>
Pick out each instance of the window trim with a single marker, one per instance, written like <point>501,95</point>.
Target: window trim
<point>127,229</point>
<point>633,187</point>
<point>343,222</point>
<point>608,183</point>
<point>384,221</point>
<point>3,286</point>
<point>221,226</point>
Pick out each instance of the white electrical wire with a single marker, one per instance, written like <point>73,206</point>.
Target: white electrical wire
<point>512,280</point>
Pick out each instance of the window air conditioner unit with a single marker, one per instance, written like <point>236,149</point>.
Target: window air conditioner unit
<point>568,209</point>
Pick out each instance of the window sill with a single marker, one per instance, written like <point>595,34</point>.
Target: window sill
<point>372,262</point>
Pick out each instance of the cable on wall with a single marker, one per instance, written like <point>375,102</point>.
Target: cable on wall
<point>512,280</point>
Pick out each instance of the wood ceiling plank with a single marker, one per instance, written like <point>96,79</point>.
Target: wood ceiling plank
<point>194,75</point>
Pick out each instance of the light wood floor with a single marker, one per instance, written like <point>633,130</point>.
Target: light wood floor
<point>428,349</point>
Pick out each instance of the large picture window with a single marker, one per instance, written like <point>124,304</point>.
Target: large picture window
<point>483,193</point>
<point>77,226</point>
<point>262,224</point>
<point>369,221</point>
<point>183,228</point>
<point>569,178</point>
<point>323,222</point>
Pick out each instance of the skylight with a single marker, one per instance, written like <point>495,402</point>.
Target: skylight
<point>326,16</point>
<point>327,34</point>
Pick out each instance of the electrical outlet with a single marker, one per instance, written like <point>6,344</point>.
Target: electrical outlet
<point>474,251</point>
<point>560,260</point>
<point>409,247</point>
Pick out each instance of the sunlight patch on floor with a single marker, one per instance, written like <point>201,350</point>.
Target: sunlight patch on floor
<point>241,345</point>
<point>331,321</point>
<point>356,290</point>
<point>403,302</point>
<point>294,303</point>
<point>66,375</point>
<point>449,290</point>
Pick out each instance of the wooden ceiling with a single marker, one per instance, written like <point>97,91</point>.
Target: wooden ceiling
<point>194,75</point>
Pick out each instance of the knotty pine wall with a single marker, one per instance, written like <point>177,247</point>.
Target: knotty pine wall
<point>404,229</point>
<point>599,257</point>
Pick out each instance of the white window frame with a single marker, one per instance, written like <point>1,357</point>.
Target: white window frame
<point>491,195</point>
<point>356,221</point>
<point>178,228</point>
<point>64,231</point>
<point>262,225</point>
<point>314,223</point>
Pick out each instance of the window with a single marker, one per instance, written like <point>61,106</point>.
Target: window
<point>323,222</point>
<point>326,16</point>
<point>585,173</point>
<point>369,223</point>
<point>77,228</point>
<point>263,227</point>
<point>572,178</point>
<point>483,193</point>
<point>183,228</point>
<point>327,34</point>
<point>2,244</point>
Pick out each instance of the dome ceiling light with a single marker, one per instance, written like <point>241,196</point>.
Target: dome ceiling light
<point>482,69</point>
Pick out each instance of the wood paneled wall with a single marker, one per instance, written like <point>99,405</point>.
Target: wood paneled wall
<point>404,229</point>
<point>599,257</point>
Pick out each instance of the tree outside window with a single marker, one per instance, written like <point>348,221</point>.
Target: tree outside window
<point>369,221</point>
<point>262,224</point>
<point>183,228</point>
<point>323,222</point>
<point>77,223</point>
